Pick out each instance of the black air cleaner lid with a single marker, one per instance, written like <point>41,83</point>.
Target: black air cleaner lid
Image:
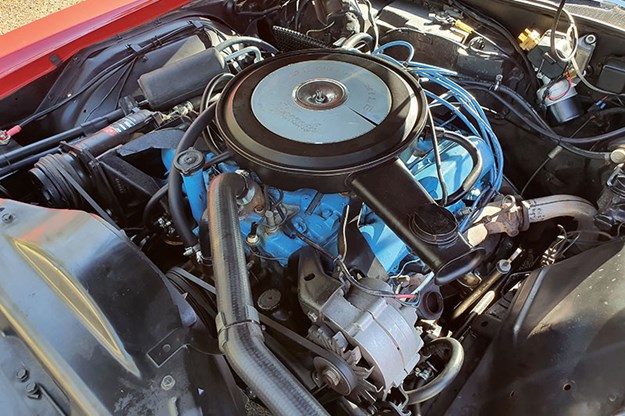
<point>308,119</point>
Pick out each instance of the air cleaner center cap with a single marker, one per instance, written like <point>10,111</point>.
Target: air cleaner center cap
<point>320,94</point>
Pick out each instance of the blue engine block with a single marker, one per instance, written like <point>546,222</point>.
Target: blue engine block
<point>319,217</point>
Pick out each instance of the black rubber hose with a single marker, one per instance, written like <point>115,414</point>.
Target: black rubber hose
<point>151,205</point>
<point>540,129</point>
<point>240,334</point>
<point>415,408</point>
<point>445,377</point>
<point>24,163</point>
<point>478,165</point>
<point>177,205</point>
<point>523,103</point>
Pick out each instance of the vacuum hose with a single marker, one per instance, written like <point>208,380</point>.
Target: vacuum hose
<point>240,334</point>
<point>475,173</point>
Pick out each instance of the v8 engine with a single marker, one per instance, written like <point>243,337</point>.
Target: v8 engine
<point>322,218</point>
<point>307,128</point>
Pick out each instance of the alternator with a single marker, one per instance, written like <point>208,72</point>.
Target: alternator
<point>376,335</point>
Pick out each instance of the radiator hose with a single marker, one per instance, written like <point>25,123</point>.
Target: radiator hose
<point>446,376</point>
<point>240,335</point>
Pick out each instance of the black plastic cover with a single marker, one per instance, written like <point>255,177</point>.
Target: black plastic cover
<point>560,350</point>
<point>392,192</point>
<point>96,326</point>
<point>612,76</point>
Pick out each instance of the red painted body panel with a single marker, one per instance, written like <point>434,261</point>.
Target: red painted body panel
<point>25,52</point>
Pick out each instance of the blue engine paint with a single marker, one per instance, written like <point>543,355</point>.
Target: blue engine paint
<point>193,185</point>
<point>455,165</point>
<point>388,248</point>
<point>195,188</point>
<point>322,223</point>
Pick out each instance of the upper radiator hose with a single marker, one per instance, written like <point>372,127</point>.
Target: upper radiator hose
<point>240,335</point>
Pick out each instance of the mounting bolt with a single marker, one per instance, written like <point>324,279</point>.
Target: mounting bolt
<point>168,382</point>
<point>331,377</point>
<point>32,390</point>
<point>618,155</point>
<point>590,39</point>
<point>4,138</point>
<point>8,218</point>
<point>22,374</point>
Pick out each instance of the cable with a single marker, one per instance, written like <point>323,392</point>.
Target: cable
<point>587,83</point>
<point>246,40</point>
<point>437,161</point>
<point>48,143</point>
<point>204,102</point>
<point>570,33</point>
<point>266,12</point>
<point>549,133</point>
<point>498,27</point>
<point>222,157</point>
<point>399,273</point>
<point>552,155</point>
<point>488,87</point>
<point>480,127</point>
<point>103,75</point>
<point>151,205</point>
<point>106,73</point>
<point>562,94</point>
<point>403,43</point>
<point>538,169</point>
<point>121,81</point>
<point>586,154</point>
<point>374,24</point>
<point>338,261</point>
<point>359,38</point>
<point>504,53</point>
<point>213,84</point>
<point>323,29</point>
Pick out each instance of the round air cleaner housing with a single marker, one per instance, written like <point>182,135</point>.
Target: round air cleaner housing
<point>309,119</point>
<point>335,121</point>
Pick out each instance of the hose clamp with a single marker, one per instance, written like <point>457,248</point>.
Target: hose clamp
<point>250,315</point>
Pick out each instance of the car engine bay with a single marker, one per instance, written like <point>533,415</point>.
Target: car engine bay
<point>320,207</point>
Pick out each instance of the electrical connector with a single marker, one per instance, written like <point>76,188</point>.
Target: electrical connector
<point>463,26</point>
<point>4,138</point>
<point>528,39</point>
<point>6,135</point>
